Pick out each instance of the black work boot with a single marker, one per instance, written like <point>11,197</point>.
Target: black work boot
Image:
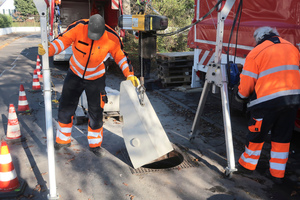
<point>277,181</point>
<point>58,146</point>
<point>98,151</point>
<point>242,170</point>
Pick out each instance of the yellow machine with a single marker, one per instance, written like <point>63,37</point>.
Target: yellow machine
<point>142,22</point>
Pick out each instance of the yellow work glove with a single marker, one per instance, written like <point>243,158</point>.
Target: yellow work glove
<point>41,50</point>
<point>135,81</point>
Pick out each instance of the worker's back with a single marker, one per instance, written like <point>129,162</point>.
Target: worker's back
<point>274,65</point>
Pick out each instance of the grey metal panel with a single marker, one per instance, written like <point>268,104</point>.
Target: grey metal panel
<point>144,136</point>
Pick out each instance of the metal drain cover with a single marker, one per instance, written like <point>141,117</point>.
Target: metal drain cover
<point>174,160</point>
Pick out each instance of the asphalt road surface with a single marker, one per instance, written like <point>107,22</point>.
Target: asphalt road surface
<point>197,174</point>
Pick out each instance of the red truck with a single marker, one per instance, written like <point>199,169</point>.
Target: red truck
<point>283,15</point>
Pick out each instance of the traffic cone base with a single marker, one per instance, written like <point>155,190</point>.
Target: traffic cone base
<point>16,192</point>
<point>9,183</point>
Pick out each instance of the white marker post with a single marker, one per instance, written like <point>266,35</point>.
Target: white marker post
<point>41,6</point>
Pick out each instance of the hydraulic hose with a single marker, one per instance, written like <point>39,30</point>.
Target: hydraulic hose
<point>189,26</point>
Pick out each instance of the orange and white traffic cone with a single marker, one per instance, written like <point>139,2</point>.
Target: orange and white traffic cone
<point>10,186</point>
<point>39,71</point>
<point>36,83</point>
<point>23,106</point>
<point>13,127</point>
<point>38,60</point>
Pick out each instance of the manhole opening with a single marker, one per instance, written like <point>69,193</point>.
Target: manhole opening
<point>167,161</point>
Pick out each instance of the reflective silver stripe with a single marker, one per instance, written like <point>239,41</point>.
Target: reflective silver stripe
<point>78,73</point>
<point>254,153</point>
<point>93,69</point>
<point>8,176</point>
<point>61,44</point>
<point>250,74</point>
<point>35,84</point>
<point>121,61</point>
<point>65,129</point>
<point>124,66</point>
<point>95,74</point>
<point>273,96</point>
<point>22,102</point>
<point>83,68</point>
<point>106,57</point>
<point>5,159</point>
<point>62,136</point>
<point>277,166</point>
<point>55,47</point>
<point>278,69</point>
<point>95,141</point>
<point>242,95</point>
<point>94,134</point>
<point>22,93</point>
<point>249,160</point>
<point>77,63</point>
<point>279,155</point>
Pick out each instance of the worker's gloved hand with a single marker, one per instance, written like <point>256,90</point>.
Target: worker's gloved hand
<point>41,50</point>
<point>240,99</point>
<point>135,81</point>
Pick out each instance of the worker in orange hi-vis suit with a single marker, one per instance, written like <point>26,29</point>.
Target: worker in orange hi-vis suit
<point>93,42</point>
<point>270,83</point>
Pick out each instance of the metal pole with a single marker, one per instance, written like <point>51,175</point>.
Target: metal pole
<point>200,108</point>
<point>42,9</point>
<point>227,123</point>
<point>142,59</point>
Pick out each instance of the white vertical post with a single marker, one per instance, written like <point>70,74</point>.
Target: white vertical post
<point>195,82</point>
<point>42,9</point>
<point>195,79</point>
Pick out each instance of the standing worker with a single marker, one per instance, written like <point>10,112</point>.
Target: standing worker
<point>92,43</point>
<point>270,81</point>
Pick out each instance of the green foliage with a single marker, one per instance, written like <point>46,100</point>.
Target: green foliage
<point>180,13</point>
<point>5,21</point>
<point>25,7</point>
<point>26,24</point>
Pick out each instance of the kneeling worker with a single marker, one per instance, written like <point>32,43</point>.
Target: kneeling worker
<point>92,43</point>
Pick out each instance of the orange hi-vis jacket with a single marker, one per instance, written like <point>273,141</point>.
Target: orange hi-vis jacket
<point>271,76</point>
<point>89,55</point>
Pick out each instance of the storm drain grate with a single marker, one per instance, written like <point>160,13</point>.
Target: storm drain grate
<point>177,161</point>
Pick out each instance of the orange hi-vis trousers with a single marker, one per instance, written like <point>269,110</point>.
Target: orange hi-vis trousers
<point>280,121</point>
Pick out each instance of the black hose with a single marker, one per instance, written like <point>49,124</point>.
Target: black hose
<point>189,26</point>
